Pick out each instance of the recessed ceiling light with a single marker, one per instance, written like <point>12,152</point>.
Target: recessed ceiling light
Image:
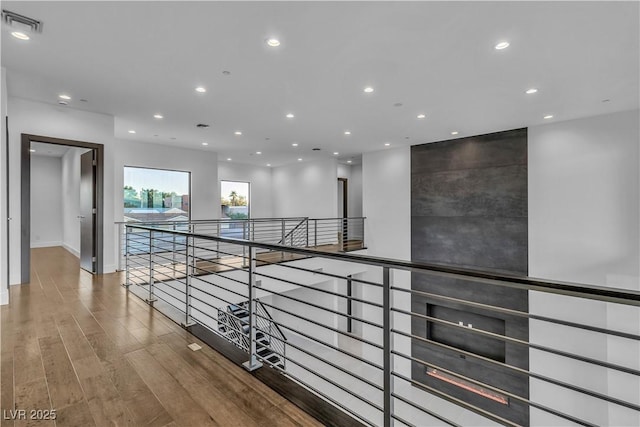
<point>132,131</point>
<point>386,144</point>
<point>421,116</point>
<point>273,42</point>
<point>347,132</point>
<point>205,143</point>
<point>502,45</point>
<point>201,89</point>
<point>368,89</point>
<point>295,144</point>
<point>258,152</point>
<point>530,91</point>
<point>290,116</point>
<point>158,116</point>
<point>65,97</point>
<point>238,132</point>
<point>299,160</point>
<point>455,132</point>
<point>31,150</point>
<point>335,153</point>
<point>548,116</point>
<point>19,35</point>
<point>228,159</point>
<point>269,164</point>
<point>349,161</point>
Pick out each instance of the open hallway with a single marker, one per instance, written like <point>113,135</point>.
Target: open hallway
<point>82,345</point>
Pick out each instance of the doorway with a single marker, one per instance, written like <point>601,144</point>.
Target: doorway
<point>343,212</point>
<point>91,193</point>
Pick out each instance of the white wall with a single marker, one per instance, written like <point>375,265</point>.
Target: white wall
<point>71,200</point>
<point>386,202</point>
<point>63,122</point>
<point>306,189</point>
<point>353,174</point>
<point>584,227</point>
<point>4,262</point>
<point>355,191</point>
<point>46,201</point>
<point>260,188</point>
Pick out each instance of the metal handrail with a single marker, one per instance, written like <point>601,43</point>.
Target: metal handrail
<point>616,295</point>
<point>153,266</point>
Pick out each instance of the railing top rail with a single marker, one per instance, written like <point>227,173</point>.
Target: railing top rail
<point>191,221</point>
<point>615,295</point>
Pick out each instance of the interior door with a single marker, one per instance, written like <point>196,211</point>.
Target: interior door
<point>87,212</point>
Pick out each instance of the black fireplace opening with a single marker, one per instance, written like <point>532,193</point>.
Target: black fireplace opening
<point>462,337</point>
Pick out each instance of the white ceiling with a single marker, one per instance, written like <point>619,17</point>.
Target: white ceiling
<point>135,59</point>
<point>48,150</point>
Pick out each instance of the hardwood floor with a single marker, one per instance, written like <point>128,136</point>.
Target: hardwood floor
<point>80,344</point>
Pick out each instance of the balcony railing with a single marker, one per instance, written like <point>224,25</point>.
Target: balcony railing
<point>357,334</point>
<point>332,234</point>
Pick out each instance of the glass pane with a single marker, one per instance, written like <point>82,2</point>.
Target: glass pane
<point>234,200</point>
<point>156,195</point>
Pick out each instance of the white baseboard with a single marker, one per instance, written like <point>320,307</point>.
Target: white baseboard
<point>45,244</point>
<point>72,250</point>
<point>4,297</point>
<point>108,268</point>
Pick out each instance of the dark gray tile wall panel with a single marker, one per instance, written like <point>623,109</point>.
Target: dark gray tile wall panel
<point>476,242</point>
<point>490,150</point>
<point>493,192</point>
<point>469,209</point>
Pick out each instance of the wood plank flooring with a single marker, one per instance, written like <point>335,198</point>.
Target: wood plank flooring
<point>80,344</point>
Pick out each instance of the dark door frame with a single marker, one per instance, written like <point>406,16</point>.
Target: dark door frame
<point>345,197</point>
<point>25,199</point>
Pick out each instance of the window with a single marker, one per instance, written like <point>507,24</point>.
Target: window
<point>234,200</point>
<point>156,195</point>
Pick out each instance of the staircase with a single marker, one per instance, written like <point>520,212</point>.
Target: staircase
<point>233,324</point>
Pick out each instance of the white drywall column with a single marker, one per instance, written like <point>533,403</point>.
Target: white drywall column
<point>386,203</point>
<point>4,231</point>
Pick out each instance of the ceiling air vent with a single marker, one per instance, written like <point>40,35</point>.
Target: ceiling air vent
<point>22,22</point>
<point>202,125</point>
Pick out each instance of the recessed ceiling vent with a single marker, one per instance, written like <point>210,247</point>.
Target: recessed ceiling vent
<point>22,22</point>
<point>202,125</point>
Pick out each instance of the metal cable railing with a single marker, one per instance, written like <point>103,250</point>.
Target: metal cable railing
<point>381,339</point>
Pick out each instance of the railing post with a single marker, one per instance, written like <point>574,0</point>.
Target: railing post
<point>283,232</point>
<point>306,222</point>
<point>127,279</point>
<point>151,297</point>
<point>173,252</point>
<point>218,242</point>
<point>252,364</point>
<point>190,267</point>
<point>120,247</point>
<point>315,233</point>
<point>244,247</point>
<point>387,344</point>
